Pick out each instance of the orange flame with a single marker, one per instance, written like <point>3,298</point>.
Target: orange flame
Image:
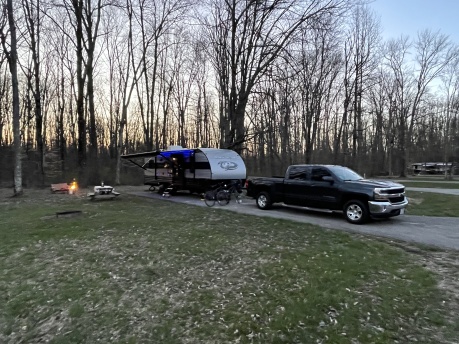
<point>73,185</point>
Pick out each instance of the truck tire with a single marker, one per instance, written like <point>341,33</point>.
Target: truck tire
<point>356,212</point>
<point>264,200</point>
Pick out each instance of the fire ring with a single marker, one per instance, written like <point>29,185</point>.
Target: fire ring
<point>69,213</point>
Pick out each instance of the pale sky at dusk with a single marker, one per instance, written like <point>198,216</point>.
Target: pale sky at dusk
<point>410,16</point>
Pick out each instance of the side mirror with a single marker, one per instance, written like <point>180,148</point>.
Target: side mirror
<point>328,179</point>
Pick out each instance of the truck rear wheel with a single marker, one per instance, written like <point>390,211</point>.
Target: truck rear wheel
<point>356,212</point>
<point>264,200</point>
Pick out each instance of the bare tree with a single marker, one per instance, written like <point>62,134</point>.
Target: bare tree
<point>246,37</point>
<point>156,21</point>
<point>84,17</point>
<point>377,103</point>
<point>127,85</point>
<point>10,51</point>
<point>450,83</point>
<point>33,19</point>
<point>396,52</point>
<point>184,67</point>
<point>3,96</point>
<point>434,52</point>
<point>318,70</point>
<point>63,101</point>
<point>365,37</point>
<point>115,50</point>
<point>205,130</point>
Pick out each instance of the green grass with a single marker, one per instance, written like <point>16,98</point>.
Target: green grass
<point>430,184</point>
<point>432,204</point>
<point>144,271</point>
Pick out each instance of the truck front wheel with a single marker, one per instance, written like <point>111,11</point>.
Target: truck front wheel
<point>264,200</point>
<point>356,212</point>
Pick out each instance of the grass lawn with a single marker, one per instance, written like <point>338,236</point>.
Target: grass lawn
<point>137,270</point>
<point>432,204</point>
<point>430,184</point>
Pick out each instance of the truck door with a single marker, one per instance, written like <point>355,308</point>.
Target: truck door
<point>324,193</point>
<point>297,185</point>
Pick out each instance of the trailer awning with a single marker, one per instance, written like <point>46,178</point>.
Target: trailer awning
<point>166,154</point>
<point>141,155</point>
<point>186,153</point>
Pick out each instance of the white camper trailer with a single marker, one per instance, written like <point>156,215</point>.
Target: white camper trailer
<point>194,169</point>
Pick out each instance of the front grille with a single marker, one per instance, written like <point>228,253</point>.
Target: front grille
<point>396,199</point>
<point>395,191</point>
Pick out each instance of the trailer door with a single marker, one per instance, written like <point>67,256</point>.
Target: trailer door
<point>178,169</point>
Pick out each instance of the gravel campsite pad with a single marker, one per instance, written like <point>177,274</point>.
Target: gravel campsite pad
<point>136,270</point>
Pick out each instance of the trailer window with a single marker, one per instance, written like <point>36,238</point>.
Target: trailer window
<point>160,162</point>
<point>151,163</point>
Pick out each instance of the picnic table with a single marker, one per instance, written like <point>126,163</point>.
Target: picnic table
<point>103,192</point>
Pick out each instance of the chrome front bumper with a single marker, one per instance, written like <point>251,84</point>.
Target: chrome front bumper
<point>386,207</point>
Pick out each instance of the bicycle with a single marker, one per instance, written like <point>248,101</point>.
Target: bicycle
<point>210,196</point>
<point>224,196</point>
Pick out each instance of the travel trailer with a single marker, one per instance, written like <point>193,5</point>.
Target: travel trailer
<point>196,169</point>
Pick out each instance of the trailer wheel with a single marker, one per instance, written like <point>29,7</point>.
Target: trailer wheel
<point>264,200</point>
<point>356,212</point>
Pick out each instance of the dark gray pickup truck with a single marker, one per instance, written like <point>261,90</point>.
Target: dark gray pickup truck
<point>331,187</point>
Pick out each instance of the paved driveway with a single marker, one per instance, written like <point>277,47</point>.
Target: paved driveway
<point>433,231</point>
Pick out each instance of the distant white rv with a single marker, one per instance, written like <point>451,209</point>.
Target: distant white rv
<point>433,168</point>
<point>196,169</point>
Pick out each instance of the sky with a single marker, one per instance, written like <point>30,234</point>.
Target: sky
<point>407,17</point>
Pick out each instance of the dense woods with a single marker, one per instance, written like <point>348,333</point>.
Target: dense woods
<point>279,81</point>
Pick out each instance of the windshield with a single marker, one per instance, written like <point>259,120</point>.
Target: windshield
<point>345,173</point>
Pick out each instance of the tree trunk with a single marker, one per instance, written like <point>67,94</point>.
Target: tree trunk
<point>12,60</point>
<point>80,90</point>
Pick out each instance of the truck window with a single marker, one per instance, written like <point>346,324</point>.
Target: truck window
<point>299,173</point>
<point>318,173</point>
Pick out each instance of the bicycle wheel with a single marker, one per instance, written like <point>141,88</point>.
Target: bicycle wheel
<point>209,198</point>
<point>223,197</point>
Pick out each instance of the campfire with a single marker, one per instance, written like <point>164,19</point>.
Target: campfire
<point>73,187</point>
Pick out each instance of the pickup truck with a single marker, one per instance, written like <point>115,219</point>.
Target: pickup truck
<point>330,187</point>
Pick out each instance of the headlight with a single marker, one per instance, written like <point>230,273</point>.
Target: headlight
<point>380,195</point>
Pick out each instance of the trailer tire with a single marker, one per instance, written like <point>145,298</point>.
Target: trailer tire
<point>356,212</point>
<point>264,200</point>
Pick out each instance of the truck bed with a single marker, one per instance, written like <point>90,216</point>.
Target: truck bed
<point>274,185</point>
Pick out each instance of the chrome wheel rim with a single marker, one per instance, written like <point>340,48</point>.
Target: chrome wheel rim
<point>262,201</point>
<point>354,212</point>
